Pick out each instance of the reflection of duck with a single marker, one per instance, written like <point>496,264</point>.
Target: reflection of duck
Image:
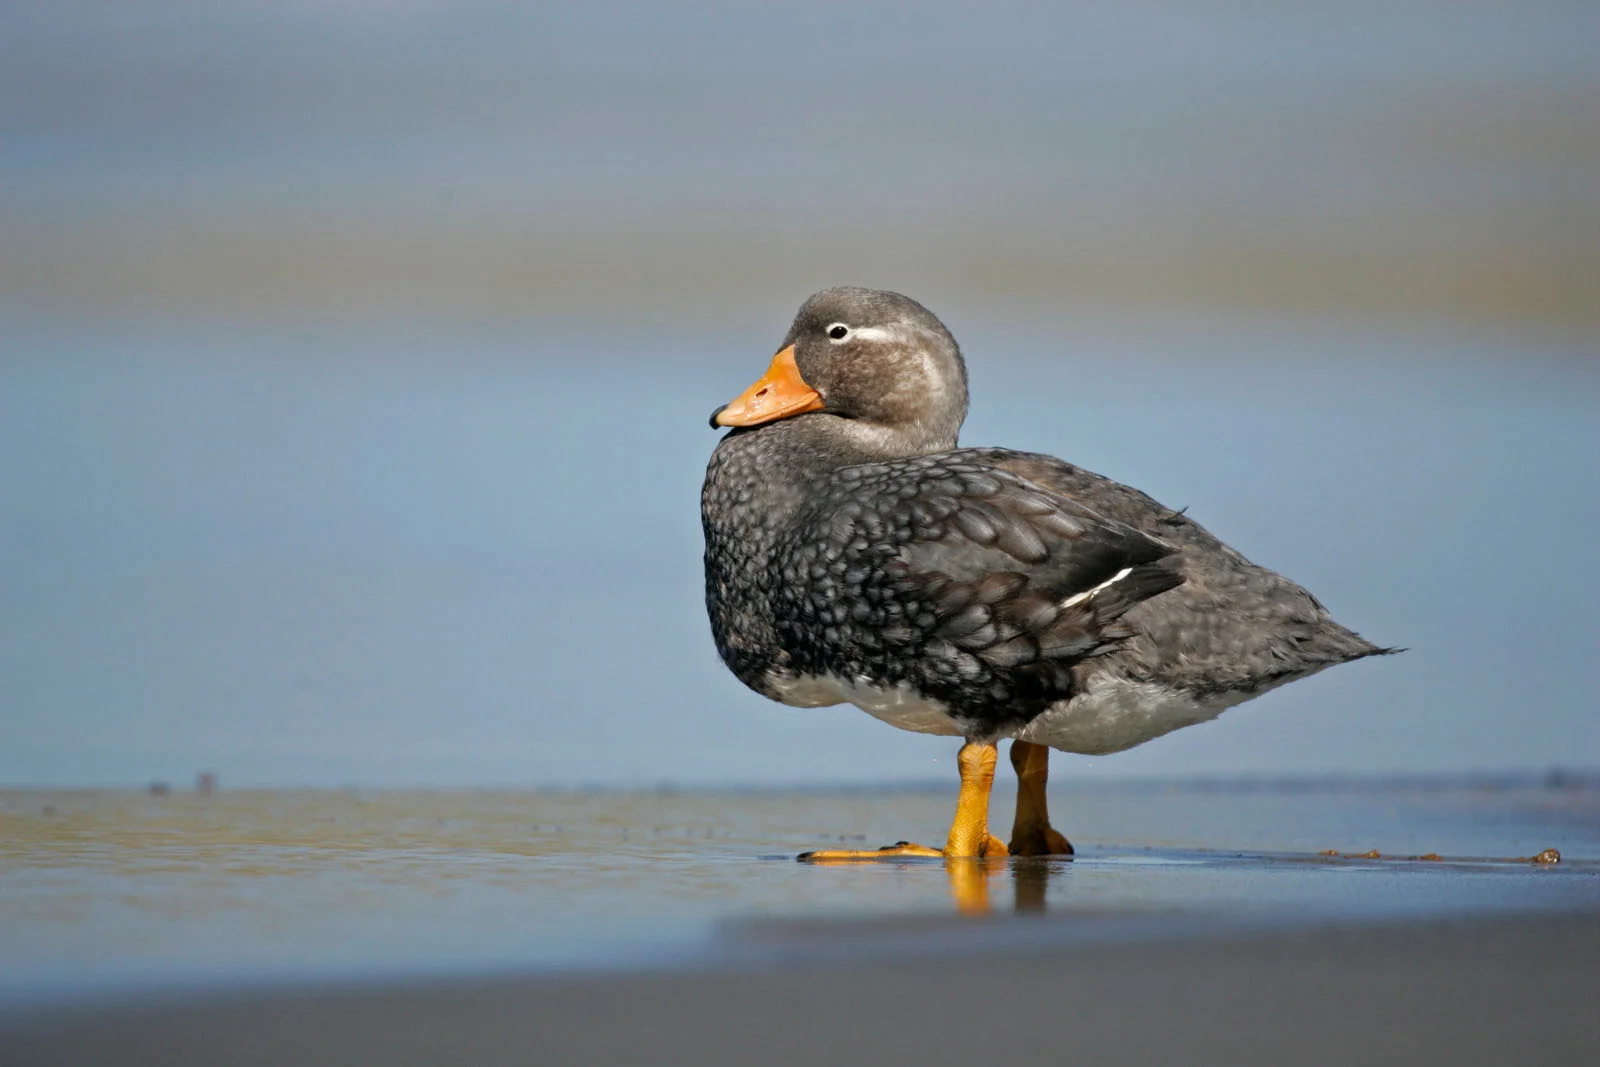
<point>854,554</point>
<point>969,882</point>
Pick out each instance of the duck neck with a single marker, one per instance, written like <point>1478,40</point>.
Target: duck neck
<point>759,480</point>
<point>775,470</point>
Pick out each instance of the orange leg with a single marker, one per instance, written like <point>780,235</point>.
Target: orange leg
<point>969,833</point>
<point>1031,832</point>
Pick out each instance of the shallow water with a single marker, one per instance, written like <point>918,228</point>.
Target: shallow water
<point>106,891</point>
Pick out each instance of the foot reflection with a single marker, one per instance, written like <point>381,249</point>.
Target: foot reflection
<point>970,878</point>
<point>1029,877</point>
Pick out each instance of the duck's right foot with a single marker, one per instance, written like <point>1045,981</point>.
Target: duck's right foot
<point>992,847</point>
<point>969,833</point>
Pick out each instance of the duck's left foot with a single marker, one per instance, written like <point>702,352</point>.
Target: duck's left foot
<point>1048,842</point>
<point>1031,832</point>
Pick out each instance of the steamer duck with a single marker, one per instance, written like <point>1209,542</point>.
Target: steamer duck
<point>854,554</point>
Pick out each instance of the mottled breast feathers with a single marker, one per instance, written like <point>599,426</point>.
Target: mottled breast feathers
<point>971,583</point>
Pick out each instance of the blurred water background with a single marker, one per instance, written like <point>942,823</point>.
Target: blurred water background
<point>355,360</point>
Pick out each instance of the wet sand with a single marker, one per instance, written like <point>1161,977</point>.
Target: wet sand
<point>1462,991</point>
<point>1297,922</point>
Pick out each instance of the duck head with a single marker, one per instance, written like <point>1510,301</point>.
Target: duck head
<point>879,365</point>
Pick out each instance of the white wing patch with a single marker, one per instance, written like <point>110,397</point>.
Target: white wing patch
<point>1086,594</point>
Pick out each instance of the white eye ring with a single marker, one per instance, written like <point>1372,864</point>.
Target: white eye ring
<point>838,332</point>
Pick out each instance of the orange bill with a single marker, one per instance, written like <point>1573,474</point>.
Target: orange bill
<point>777,394</point>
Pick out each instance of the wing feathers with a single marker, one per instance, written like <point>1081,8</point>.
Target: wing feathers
<point>953,573</point>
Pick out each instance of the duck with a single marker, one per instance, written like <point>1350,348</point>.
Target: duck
<point>856,554</point>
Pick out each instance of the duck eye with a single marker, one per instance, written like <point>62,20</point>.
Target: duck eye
<point>838,331</point>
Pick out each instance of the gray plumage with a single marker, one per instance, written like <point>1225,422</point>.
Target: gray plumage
<point>858,544</point>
